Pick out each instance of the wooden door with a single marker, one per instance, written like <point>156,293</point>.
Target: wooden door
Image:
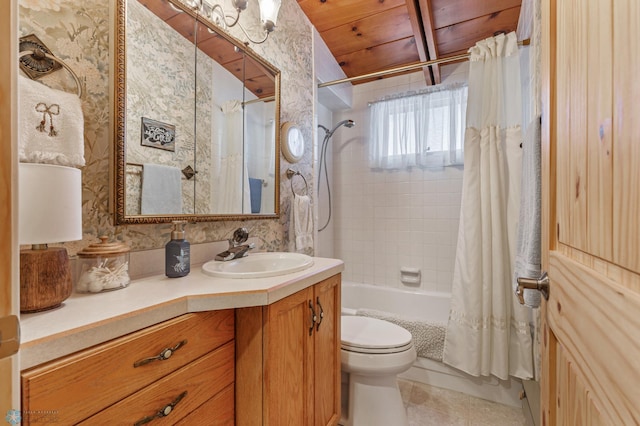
<point>327,352</point>
<point>288,361</point>
<point>9,368</point>
<point>591,212</point>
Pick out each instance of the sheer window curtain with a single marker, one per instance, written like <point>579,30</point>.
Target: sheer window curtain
<point>488,332</point>
<point>422,129</point>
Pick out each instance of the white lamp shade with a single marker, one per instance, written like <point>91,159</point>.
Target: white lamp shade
<point>49,204</point>
<point>269,11</point>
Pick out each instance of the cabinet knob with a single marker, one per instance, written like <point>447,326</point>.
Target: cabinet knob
<point>321,314</point>
<point>163,412</point>
<point>314,318</point>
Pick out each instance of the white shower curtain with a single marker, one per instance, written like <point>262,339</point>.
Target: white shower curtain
<point>488,332</point>
<point>230,188</point>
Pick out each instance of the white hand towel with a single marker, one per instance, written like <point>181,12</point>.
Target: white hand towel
<point>51,125</point>
<point>301,223</point>
<point>161,190</point>
<point>528,251</point>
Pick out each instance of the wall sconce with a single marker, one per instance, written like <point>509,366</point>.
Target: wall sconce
<point>268,15</point>
<point>50,211</point>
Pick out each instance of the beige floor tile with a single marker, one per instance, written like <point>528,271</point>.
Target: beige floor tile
<point>420,415</point>
<point>405,390</point>
<point>443,400</point>
<point>431,406</point>
<point>491,413</point>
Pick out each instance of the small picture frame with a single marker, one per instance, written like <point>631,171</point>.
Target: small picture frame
<point>158,135</point>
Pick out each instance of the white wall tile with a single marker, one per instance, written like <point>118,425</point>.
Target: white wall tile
<point>385,220</point>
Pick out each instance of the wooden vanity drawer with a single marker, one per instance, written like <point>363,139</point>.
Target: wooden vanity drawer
<point>84,383</point>
<point>218,411</point>
<point>201,380</point>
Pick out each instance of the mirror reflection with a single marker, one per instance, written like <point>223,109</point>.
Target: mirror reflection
<point>198,123</point>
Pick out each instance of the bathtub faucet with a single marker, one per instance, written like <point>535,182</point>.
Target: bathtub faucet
<point>236,249</point>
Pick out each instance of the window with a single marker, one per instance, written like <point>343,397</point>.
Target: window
<point>418,130</point>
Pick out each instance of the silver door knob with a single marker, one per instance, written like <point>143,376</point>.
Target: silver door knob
<point>541,284</point>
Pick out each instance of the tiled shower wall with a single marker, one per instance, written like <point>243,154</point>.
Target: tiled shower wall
<point>388,220</point>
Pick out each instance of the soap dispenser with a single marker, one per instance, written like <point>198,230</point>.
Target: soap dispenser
<point>177,252</point>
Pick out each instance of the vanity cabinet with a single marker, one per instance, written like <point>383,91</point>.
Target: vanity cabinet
<point>297,342</point>
<point>183,368</point>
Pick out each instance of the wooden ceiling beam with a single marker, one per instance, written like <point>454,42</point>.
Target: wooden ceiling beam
<point>421,42</point>
<point>430,36</point>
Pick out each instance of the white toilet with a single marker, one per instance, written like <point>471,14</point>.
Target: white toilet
<point>373,353</point>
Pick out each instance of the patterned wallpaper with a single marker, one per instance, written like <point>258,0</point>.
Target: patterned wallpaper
<point>78,32</point>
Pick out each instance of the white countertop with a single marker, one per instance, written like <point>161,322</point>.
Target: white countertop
<point>85,320</point>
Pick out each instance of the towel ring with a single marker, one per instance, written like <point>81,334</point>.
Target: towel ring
<point>290,174</point>
<point>39,53</point>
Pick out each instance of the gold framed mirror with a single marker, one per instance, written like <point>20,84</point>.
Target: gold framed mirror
<point>196,119</point>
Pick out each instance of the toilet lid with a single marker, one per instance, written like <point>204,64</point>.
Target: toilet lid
<point>358,333</point>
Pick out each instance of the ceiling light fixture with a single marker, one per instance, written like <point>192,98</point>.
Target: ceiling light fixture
<point>268,15</point>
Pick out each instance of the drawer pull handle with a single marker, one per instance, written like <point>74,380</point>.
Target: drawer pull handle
<point>163,412</point>
<point>164,355</point>
<point>313,318</point>
<point>321,314</point>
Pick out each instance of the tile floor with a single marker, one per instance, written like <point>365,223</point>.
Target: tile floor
<point>431,406</point>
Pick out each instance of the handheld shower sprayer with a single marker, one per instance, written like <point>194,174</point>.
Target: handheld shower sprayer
<point>345,123</point>
<point>323,160</point>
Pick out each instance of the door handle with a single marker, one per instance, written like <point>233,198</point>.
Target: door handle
<point>9,336</point>
<point>541,284</point>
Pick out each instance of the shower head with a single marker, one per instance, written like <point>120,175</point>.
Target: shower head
<point>345,123</point>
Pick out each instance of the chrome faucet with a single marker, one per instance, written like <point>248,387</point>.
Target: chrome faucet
<point>236,249</point>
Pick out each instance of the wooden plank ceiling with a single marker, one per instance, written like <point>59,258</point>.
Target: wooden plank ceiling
<point>372,35</point>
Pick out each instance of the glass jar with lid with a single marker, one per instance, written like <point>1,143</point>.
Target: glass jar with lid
<point>102,266</point>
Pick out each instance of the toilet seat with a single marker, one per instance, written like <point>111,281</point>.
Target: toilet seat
<point>373,336</point>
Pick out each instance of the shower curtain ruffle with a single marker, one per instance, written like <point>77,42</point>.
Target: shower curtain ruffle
<point>488,332</point>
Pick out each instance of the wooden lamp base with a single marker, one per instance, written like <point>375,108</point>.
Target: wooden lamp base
<point>45,279</point>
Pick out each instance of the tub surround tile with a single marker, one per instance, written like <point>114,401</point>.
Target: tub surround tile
<point>389,201</point>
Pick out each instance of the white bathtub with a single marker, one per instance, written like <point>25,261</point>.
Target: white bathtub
<point>429,306</point>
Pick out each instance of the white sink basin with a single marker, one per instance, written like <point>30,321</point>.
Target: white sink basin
<point>258,265</point>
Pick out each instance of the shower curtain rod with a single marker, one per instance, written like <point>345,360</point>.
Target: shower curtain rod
<point>253,101</point>
<point>395,70</point>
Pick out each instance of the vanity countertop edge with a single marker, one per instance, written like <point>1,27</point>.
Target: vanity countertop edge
<point>85,320</point>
